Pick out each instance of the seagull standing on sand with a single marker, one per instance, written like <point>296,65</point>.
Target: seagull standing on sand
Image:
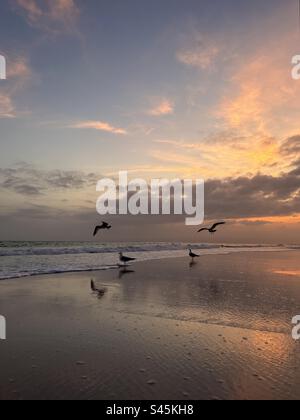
<point>125,260</point>
<point>102,227</point>
<point>213,228</point>
<point>192,255</point>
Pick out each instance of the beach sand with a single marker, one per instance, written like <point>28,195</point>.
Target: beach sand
<point>219,329</point>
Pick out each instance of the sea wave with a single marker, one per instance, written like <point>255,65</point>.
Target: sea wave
<point>55,249</point>
<point>32,259</point>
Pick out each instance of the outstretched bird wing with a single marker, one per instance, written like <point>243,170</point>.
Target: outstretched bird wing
<point>202,230</point>
<point>217,224</point>
<point>97,228</point>
<point>102,227</point>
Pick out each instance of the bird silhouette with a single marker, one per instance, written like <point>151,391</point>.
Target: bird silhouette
<point>192,255</point>
<point>125,260</point>
<point>102,227</point>
<point>213,228</point>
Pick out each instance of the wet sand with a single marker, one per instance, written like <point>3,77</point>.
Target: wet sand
<point>219,329</point>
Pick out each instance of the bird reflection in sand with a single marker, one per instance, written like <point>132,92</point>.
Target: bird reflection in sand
<point>99,292</point>
<point>192,264</point>
<point>124,271</point>
<point>193,257</point>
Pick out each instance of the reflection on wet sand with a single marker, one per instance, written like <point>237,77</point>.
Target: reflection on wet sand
<point>192,264</point>
<point>295,273</point>
<point>234,291</point>
<point>221,330</point>
<point>124,271</point>
<point>100,292</point>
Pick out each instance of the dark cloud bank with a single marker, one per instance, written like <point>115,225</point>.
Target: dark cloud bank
<point>231,198</point>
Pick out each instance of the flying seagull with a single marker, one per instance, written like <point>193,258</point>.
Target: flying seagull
<point>101,227</point>
<point>213,228</point>
<point>125,259</point>
<point>192,255</point>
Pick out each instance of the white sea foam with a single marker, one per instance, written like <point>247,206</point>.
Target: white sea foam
<point>23,259</point>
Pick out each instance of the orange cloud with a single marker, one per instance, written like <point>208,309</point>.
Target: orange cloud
<point>259,110</point>
<point>293,219</point>
<point>165,107</point>
<point>100,126</point>
<point>235,155</point>
<point>266,98</point>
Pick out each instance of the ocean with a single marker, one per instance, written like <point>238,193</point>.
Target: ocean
<point>24,259</point>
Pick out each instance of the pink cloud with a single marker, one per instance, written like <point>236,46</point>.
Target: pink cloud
<point>18,76</point>
<point>99,126</point>
<point>198,51</point>
<point>165,107</point>
<point>51,15</point>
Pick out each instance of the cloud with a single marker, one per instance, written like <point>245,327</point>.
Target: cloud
<point>19,69</point>
<point>24,189</point>
<point>165,107</point>
<point>257,201</point>
<point>235,155</point>
<point>291,147</point>
<point>18,76</point>
<point>198,52</point>
<point>175,158</point>
<point>262,96</point>
<point>253,223</point>
<point>100,126</point>
<point>7,109</point>
<point>27,180</point>
<point>260,196</point>
<point>63,10</point>
<point>54,16</point>
<point>31,8</point>
<point>256,197</point>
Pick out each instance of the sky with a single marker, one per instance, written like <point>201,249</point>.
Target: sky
<point>162,89</point>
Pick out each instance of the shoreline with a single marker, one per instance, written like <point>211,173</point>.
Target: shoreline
<point>218,329</point>
<point>205,253</point>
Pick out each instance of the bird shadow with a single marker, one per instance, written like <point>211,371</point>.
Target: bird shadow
<point>124,271</point>
<point>99,293</point>
<point>192,264</point>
